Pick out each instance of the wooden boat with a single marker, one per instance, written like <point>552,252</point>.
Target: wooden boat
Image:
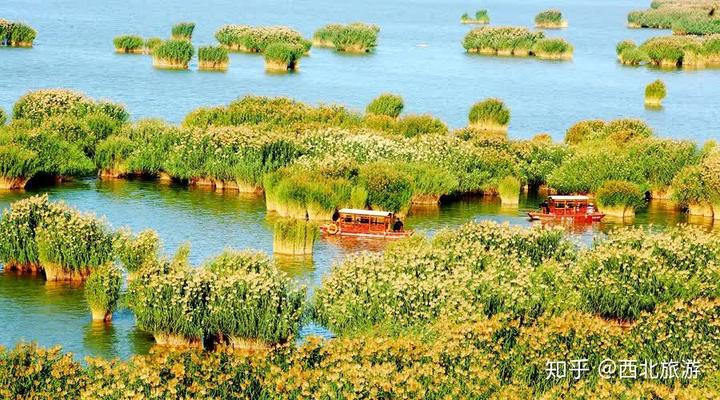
<point>576,208</point>
<point>366,223</point>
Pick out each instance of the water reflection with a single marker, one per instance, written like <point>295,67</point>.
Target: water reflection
<point>101,338</point>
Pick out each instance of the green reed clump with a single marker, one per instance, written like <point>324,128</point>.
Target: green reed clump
<point>416,125</point>
<point>655,92</point>
<point>183,30</point>
<point>19,226</point>
<point>624,45</point>
<point>17,163</point>
<point>490,114</point>
<point>623,196</point>
<point>71,244</point>
<point>356,37</point>
<point>583,130</point>
<point>151,44</point>
<point>388,189</point>
<point>696,24</point>
<point>251,300</point>
<point>256,39</point>
<point>174,53</point>
<point>387,104</point>
<point>509,190</point>
<point>671,51</point>
<point>136,251</point>
<point>16,34</point>
<point>282,56</point>
<point>213,55</point>
<point>3,117</point>
<point>554,49</point>
<point>429,181</point>
<point>102,291</point>
<point>505,40</point>
<point>481,17</point>
<point>129,44</point>
<point>111,155</point>
<point>550,19</point>
<point>293,236</point>
<point>38,105</point>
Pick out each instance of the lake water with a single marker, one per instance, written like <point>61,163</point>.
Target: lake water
<point>32,310</point>
<point>419,56</point>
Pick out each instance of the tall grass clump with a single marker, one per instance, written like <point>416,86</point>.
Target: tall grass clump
<point>282,56</point>
<point>213,58</point>
<point>18,230</point>
<point>490,114</point>
<point>620,198</point>
<point>550,19</point>
<point>629,54</point>
<point>509,190</point>
<point>183,30</point>
<point>356,37</point>
<point>151,44</point>
<point>173,54</point>
<point>390,105</point>
<point>552,49</point>
<point>481,17</point>
<point>501,40</point>
<point>129,44</point>
<point>655,92</point>
<point>293,236</point>
<point>136,251</point>
<point>3,117</point>
<point>16,34</point>
<point>251,302</point>
<point>256,39</point>
<point>111,156</point>
<point>40,105</point>
<point>388,188</point>
<point>102,291</point>
<point>17,166</point>
<point>673,51</point>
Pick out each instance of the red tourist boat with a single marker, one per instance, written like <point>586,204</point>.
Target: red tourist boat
<point>366,223</point>
<point>577,208</point>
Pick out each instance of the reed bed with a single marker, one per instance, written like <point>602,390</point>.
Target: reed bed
<point>282,56</point>
<point>509,190</point>
<point>129,44</point>
<point>183,31</point>
<point>16,34</point>
<point>693,52</point>
<point>136,251</point>
<point>250,39</point>
<point>356,37</point>
<point>173,54</point>
<point>294,236</point>
<point>490,114</point>
<point>501,40</point>
<point>481,17</point>
<point>388,104</point>
<point>683,17</point>
<point>3,117</point>
<point>102,291</point>
<point>151,44</point>
<point>552,49</point>
<point>213,58</point>
<point>620,198</point>
<point>655,92</point>
<point>550,19</point>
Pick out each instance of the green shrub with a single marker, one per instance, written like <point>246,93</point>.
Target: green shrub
<point>491,113</point>
<point>549,18</point>
<point>620,194</point>
<point>17,162</point>
<point>388,189</point>
<point>38,105</point>
<point>655,91</point>
<point>688,187</point>
<point>3,117</point>
<point>552,48</point>
<point>428,179</point>
<point>624,45</point>
<point>102,291</point>
<point>390,105</point>
<point>111,154</point>
<point>183,30</point>
<point>251,299</point>
<point>481,17</point>
<point>175,52</point>
<point>214,54</point>
<point>257,39</point>
<point>356,37</point>
<point>634,56</point>
<point>494,39</point>
<point>128,43</point>
<point>417,125</point>
<point>285,55</point>
<point>509,189</point>
<point>136,251</point>
<point>696,24</point>
<point>583,130</point>
<point>21,35</point>
<point>152,43</point>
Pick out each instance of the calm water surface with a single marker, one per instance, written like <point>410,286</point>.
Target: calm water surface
<point>50,314</point>
<point>419,56</point>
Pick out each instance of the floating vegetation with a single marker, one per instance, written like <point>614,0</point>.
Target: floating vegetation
<point>686,17</point>
<point>388,104</point>
<point>173,54</point>
<point>250,39</point>
<point>356,37</point>
<point>213,58</point>
<point>490,114</point>
<point>481,17</point>
<point>550,19</point>
<point>16,34</point>
<point>673,52</point>
<point>282,56</point>
<point>129,44</point>
<point>620,198</point>
<point>183,30</point>
<point>102,291</point>
<point>655,92</point>
<point>515,41</point>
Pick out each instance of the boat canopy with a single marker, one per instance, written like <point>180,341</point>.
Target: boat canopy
<point>370,213</point>
<point>569,198</point>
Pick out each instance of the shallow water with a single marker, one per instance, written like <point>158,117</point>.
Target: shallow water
<point>32,310</point>
<point>419,56</point>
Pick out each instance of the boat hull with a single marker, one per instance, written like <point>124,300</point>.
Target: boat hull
<point>591,217</point>
<point>373,235</point>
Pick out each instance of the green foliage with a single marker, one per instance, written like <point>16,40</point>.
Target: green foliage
<point>688,186</point>
<point>416,125</point>
<point>655,90</point>
<point>620,194</point>
<point>284,53</point>
<point>30,372</point>
<point>583,130</point>
<point>17,162</point>
<point>552,46</point>
<point>509,187</point>
<point>102,288</point>
<point>112,153</point>
<point>3,117</point>
<point>183,30</point>
<point>214,54</point>
<point>356,37</point>
<point>549,18</point>
<point>492,111</point>
<point>492,39</point>
<point>16,34</point>
<point>388,189</point>
<point>136,251</point>
<point>624,45</point>
<point>257,39</point>
<point>387,104</point>
<point>174,51</point>
<point>38,105</point>
<point>152,43</point>
<point>634,56</point>
<point>128,43</point>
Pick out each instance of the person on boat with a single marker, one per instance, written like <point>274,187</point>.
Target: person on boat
<point>591,208</point>
<point>397,226</point>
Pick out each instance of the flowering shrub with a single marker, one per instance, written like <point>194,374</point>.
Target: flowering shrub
<point>257,39</point>
<point>41,104</point>
<point>136,251</point>
<point>388,104</point>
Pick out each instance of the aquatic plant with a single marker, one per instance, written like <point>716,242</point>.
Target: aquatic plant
<point>16,34</point>
<point>151,44</point>
<point>3,117</point>
<point>111,155</point>
<point>17,166</point>
<point>501,40</point>
<point>620,198</point>
<point>282,56</point>
<point>655,92</point>
<point>183,30</point>
<point>387,104</point>
<point>490,114</point>
<point>38,105</point>
<point>550,19</point>
<point>173,54</point>
<point>388,189</point>
<point>411,126</point>
<point>552,49</point>
<point>256,39</point>
<point>509,190</point>
<point>356,37</point>
<point>293,236</point>
<point>481,17</point>
<point>102,291</point>
<point>213,58</point>
<point>252,303</point>
<point>136,251</point>
<point>129,44</point>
